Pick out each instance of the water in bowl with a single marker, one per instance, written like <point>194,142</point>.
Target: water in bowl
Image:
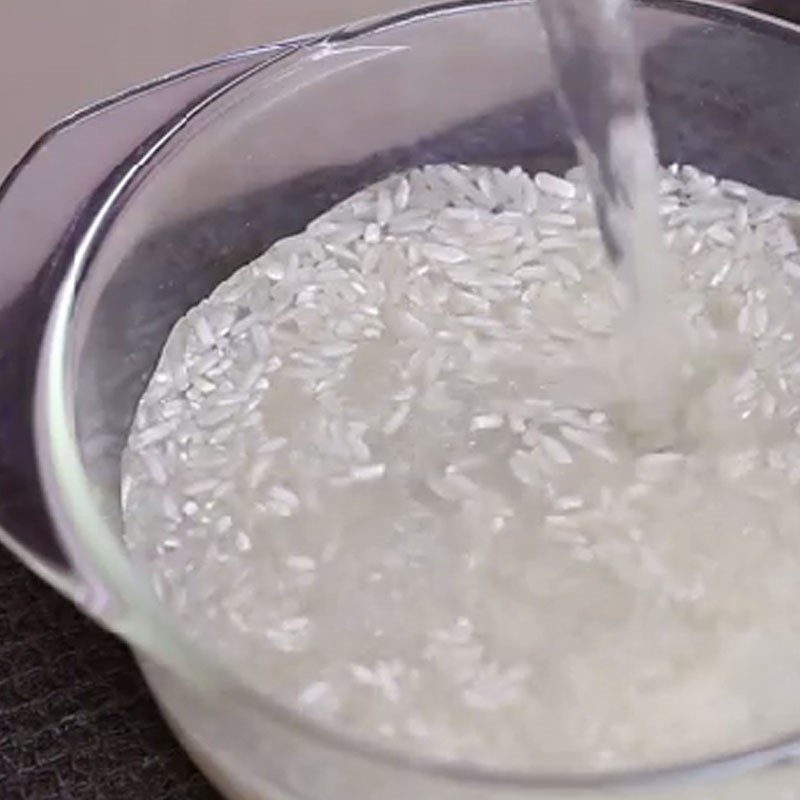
<point>404,471</point>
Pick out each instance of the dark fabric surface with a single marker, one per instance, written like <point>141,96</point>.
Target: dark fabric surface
<point>786,9</point>
<point>76,719</point>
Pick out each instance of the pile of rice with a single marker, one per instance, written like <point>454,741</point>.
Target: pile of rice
<point>392,470</point>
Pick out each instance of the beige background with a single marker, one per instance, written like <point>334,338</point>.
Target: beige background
<point>57,55</point>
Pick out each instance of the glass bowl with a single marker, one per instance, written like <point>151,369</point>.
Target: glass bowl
<point>127,214</point>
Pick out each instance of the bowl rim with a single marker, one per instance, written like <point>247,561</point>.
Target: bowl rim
<point>100,558</point>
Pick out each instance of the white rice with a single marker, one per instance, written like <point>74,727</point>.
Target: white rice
<point>396,470</point>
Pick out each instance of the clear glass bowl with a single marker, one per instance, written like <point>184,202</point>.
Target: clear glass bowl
<point>128,213</point>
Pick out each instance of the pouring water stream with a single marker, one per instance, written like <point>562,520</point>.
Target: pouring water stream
<point>598,74</point>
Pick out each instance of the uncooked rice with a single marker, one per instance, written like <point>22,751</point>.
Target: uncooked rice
<point>393,470</point>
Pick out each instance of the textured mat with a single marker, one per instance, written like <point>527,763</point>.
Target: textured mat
<point>76,719</point>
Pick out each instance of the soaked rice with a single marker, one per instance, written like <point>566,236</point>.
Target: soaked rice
<point>393,468</point>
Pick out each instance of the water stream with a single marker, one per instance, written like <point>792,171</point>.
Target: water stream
<point>598,72</point>
<point>599,77</point>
